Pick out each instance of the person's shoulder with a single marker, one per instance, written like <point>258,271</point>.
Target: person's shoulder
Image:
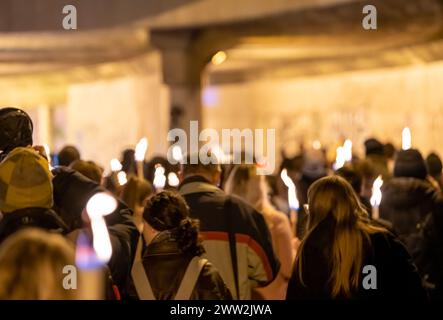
<point>241,205</point>
<point>385,242</point>
<point>211,282</point>
<point>277,216</point>
<point>244,210</point>
<point>382,237</point>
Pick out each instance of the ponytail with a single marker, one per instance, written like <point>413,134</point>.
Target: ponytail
<point>188,238</point>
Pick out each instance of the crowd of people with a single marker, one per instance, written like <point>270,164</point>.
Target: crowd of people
<point>224,232</point>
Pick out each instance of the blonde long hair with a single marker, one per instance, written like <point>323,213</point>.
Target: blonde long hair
<point>333,197</point>
<point>31,266</point>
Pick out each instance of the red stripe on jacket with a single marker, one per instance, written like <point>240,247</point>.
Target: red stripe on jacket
<point>242,238</point>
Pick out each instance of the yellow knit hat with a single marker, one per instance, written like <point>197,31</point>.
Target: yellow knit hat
<point>25,181</point>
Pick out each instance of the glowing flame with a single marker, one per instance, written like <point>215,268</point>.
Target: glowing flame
<point>173,180</point>
<point>98,206</point>
<point>347,150</point>
<point>122,178</point>
<point>159,177</point>
<point>177,153</point>
<point>48,155</point>
<point>316,145</point>
<point>115,165</point>
<point>340,158</point>
<point>292,191</point>
<point>376,192</point>
<point>140,149</point>
<point>219,58</point>
<point>406,140</point>
<point>47,151</point>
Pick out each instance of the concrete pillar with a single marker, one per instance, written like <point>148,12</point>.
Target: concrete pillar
<point>182,66</point>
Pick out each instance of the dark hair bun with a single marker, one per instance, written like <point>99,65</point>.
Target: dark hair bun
<point>187,235</point>
<point>168,210</point>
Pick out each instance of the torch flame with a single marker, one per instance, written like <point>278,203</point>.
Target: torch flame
<point>98,206</point>
<point>340,158</point>
<point>140,149</point>
<point>115,165</point>
<point>48,155</point>
<point>122,178</point>
<point>376,192</point>
<point>159,177</point>
<point>406,139</point>
<point>177,153</point>
<point>292,191</point>
<point>173,180</point>
<point>347,149</point>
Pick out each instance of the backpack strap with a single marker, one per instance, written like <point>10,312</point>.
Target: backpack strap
<point>141,281</point>
<point>139,277</point>
<point>190,278</point>
<point>232,243</point>
<point>138,250</point>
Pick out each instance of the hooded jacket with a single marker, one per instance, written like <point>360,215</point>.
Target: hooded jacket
<point>72,191</point>
<point>165,266</point>
<point>406,203</point>
<point>415,209</point>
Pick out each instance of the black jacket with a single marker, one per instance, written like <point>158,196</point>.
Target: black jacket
<point>165,266</point>
<point>429,256</point>
<point>72,191</point>
<point>396,274</point>
<point>406,203</point>
<point>31,217</point>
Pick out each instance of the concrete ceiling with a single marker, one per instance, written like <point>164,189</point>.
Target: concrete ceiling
<point>331,40</point>
<point>278,38</point>
<point>46,15</point>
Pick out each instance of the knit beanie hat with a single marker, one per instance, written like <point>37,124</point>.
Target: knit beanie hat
<point>25,181</point>
<point>410,163</point>
<point>16,129</point>
<point>434,164</point>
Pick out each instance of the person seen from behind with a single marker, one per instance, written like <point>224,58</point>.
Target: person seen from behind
<point>339,244</point>
<point>135,194</point>
<point>244,182</point>
<point>168,263</point>
<point>235,235</point>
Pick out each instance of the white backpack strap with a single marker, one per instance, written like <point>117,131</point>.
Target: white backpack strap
<point>141,282</point>
<point>190,278</point>
<point>138,250</point>
<point>139,277</point>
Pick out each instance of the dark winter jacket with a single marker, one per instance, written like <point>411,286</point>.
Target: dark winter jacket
<point>257,263</point>
<point>31,217</point>
<point>429,257</point>
<point>396,275</point>
<point>406,203</point>
<point>72,191</point>
<point>165,265</point>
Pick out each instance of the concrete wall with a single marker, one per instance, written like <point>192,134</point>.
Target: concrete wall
<point>105,117</point>
<point>331,108</point>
